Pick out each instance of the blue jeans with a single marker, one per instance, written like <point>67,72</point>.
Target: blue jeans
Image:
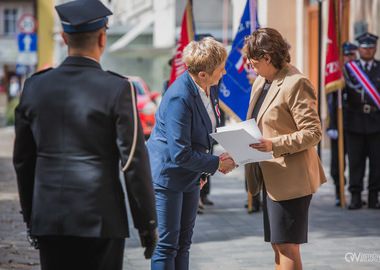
<point>176,213</point>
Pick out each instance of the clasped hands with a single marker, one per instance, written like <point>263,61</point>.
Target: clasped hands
<point>226,163</point>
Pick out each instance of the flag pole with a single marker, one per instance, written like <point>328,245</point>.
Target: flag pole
<point>341,150</point>
<point>319,67</point>
<point>340,116</point>
<point>225,22</point>
<point>334,81</point>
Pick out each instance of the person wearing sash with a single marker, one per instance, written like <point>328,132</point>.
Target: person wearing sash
<point>362,121</point>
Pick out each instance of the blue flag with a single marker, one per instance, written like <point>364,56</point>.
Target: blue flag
<point>235,89</point>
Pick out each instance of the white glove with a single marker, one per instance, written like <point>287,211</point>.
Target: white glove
<point>332,133</point>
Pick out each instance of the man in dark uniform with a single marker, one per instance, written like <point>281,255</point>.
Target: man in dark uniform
<point>349,54</point>
<point>73,126</point>
<point>362,125</point>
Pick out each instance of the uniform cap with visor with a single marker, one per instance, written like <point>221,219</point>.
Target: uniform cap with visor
<point>367,40</point>
<point>348,48</point>
<point>83,15</point>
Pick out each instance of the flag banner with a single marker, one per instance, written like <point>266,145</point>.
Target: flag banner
<point>364,81</point>
<point>333,73</point>
<point>187,35</point>
<point>235,89</point>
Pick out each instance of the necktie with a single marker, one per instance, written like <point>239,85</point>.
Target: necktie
<point>366,68</point>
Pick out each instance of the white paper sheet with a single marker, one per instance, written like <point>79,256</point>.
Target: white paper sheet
<point>236,138</point>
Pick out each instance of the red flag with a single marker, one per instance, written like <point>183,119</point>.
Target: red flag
<point>333,77</point>
<point>187,35</point>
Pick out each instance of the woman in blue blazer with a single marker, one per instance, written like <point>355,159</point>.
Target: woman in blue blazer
<point>179,149</point>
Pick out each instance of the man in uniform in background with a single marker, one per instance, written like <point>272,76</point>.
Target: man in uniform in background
<point>362,123</point>
<point>349,54</point>
<point>73,126</point>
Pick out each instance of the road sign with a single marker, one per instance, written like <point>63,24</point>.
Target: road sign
<point>23,69</point>
<point>27,49</point>
<point>27,58</point>
<point>27,24</point>
<point>27,42</point>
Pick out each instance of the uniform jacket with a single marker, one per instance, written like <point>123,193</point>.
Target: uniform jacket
<point>289,117</point>
<point>355,119</point>
<point>73,126</point>
<point>180,146</point>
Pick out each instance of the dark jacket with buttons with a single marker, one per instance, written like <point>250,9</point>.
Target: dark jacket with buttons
<point>73,126</point>
<point>180,145</point>
<point>361,115</point>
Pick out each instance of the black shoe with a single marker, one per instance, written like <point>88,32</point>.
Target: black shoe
<point>374,206</point>
<point>337,202</point>
<point>337,196</point>
<point>206,201</point>
<point>255,208</point>
<point>200,211</point>
<point>373,201</point>
<point>356,201</point>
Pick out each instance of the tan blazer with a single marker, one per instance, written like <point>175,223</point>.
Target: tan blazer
<point>289,117</point>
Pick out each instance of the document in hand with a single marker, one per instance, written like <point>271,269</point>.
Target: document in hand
<point>236,138</point>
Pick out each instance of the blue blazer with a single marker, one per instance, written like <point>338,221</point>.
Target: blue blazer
<point>180,145</point>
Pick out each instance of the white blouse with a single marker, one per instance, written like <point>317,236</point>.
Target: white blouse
<point>208,105</point>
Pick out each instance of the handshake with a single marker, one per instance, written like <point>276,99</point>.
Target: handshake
<point>226,163</point>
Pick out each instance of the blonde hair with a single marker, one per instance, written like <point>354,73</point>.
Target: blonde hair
<point>204,55</point>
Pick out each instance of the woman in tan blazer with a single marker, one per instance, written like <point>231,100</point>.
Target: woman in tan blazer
<point>284,104</point>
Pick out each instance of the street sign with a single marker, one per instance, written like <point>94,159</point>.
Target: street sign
<point>27,24</point>
<point>22,69</point>
<point>27,42</point>
<point>27,49</point>
<point>27,58</point>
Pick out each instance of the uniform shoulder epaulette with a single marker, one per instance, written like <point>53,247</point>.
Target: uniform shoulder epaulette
<point>117,74</point>
<point>42,71</point>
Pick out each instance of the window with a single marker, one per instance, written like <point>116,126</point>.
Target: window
<point>10,21</point>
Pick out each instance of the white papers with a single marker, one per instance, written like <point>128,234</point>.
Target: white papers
<point>236,138</point>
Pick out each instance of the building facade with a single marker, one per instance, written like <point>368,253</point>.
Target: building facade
<point>10,13</point>
<point>143,33</point>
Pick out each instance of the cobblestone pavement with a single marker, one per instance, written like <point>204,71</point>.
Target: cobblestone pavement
<point>226,236</point>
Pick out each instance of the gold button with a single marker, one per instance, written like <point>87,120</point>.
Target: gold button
<point>207,151</point>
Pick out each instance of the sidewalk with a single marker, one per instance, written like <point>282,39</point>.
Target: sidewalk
<point>226,237</point>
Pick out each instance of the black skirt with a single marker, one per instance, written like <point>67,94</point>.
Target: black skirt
<point>286,221</point>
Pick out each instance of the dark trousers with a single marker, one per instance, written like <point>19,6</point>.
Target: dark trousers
<point>206,188</point>
<point>80,253</point>
<point>359,147</point>
<point>334,164</point>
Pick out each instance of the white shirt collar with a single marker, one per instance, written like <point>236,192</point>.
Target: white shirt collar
<point>362,63</point>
